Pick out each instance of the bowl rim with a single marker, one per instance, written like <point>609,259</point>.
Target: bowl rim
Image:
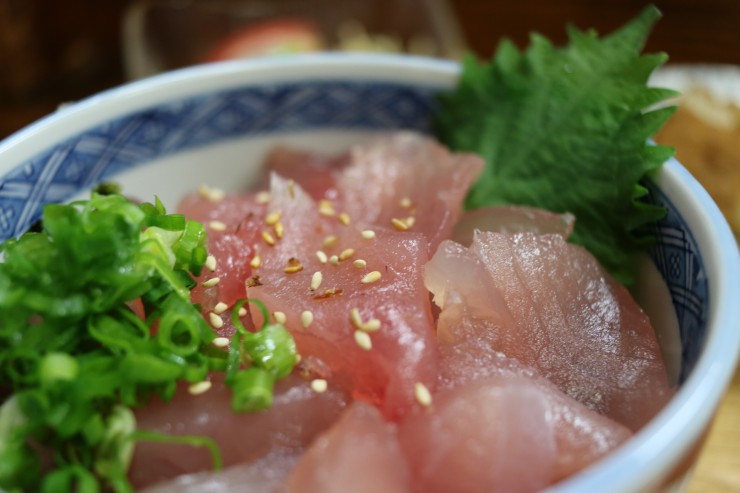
<point>169,87</point>
<point>664,441</point>
<point>683,423</point>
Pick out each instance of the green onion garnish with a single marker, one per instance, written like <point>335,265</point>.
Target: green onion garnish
<point>95,318</point>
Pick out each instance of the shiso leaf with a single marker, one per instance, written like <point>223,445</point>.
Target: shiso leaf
<point>567,129</point>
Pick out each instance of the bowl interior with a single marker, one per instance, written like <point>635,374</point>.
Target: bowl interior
<point>167,135</point>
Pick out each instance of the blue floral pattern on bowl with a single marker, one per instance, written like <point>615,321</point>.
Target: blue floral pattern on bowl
<point>676,256</point>
<point>101,153</point>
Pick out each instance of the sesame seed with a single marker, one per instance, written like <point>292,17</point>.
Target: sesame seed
<point>316,279</point>
<point>346,253</point>
<point>371,325</point>
<point>220,307</point>
<point>328,293</point>
<point>211,282</point>
<point>363,340</point>
<point>217,226</point>
<point>204,190</point>
<point>344,218</point>
<point>242,312</point>
<point>272,218</point>
<point>267,238</point>
<point>330,240</point>
<point>216,321</point>
<point>199,387</point>
<point>221,341</point>
<point>255,262</point>
<point>298,358</point>
<point>326,208</point>
<point>354,316</point>
<point>368,234</point>
<point>371,277</point>
<point>410,221</point>
<point>212,194</point>
<point>306,318</point>
<point>405,202</point>
<point>211,263</point>
<point>294,265</point>
<point>280,317</point>
<point>422,394</point>
<point>262,197</point>
<point>319,385</point>
<point>399,224</point>
<point>359,263</point>
<point>322,257</point>
<point>334,260</point>
<point>279,229</point>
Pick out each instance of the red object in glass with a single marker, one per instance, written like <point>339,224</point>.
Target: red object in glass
<point>270,37</point>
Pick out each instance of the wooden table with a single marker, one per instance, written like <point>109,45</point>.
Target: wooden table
<point>718,469</point>
<point>64,51</point>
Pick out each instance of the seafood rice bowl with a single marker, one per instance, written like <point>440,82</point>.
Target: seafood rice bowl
<point>338,152</point>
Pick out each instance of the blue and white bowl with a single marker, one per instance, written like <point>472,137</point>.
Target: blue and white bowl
<point>213,124</point>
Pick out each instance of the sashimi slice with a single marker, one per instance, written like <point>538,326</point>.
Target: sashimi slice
<point>469,426</point>
<point>582,435</point>
<point>265,475</point>
<point>408,175</point>
<point>571,322</point>
<point>578,326</point>
<point>232,225</point>
<point>316,173</point>
<point>385,291</point>
<point>490,435</point>
<point>360,453</point>
<point>511,219</point>
<point>232,251</point>
<point>208,204</point>
<point>466,294</point>
<point>297,415</point>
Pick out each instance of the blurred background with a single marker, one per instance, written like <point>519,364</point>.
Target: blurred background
<point>57,51</point>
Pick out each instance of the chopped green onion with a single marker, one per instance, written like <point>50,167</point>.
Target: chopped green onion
<point>58,366</point>
<point>271,351</point>
<point>191,440</point>
<point>272,348</point>
<point>108,188</point>
<point>72,477</point>
<point>95,318</point>
<point>236,320</point>
<point>19,465</point>
<point>252,389</point>
<point>115,447</point>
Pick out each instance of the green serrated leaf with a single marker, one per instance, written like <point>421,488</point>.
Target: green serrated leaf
<point>566,129</point>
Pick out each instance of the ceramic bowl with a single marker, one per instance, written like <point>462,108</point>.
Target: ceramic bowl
<point>213,124</point>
